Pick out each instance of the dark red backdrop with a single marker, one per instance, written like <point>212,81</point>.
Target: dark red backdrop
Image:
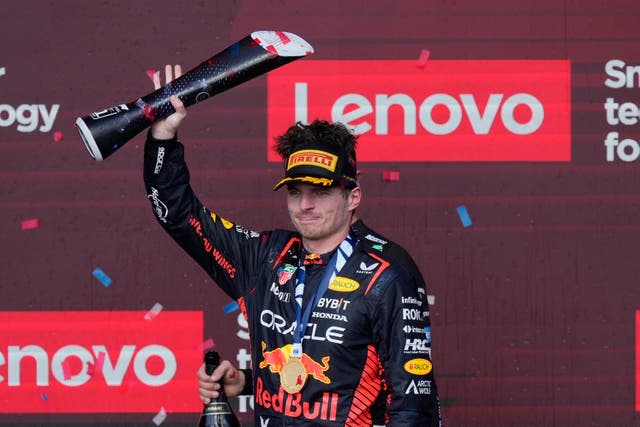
<point>535,303</point>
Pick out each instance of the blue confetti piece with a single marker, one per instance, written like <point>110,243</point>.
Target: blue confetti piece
<point>43,396</point>
<point>231,307</point>
<point>464,216</point>
<point>102,277</point>
<point>235,49</point>
<point>427,333</point>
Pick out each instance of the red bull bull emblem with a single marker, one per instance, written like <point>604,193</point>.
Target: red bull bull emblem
<point>294,371</point>
<point>313,259</point>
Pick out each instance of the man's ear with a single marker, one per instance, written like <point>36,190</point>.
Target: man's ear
<point>354,198</point>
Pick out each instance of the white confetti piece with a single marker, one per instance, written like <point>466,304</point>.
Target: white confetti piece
<point>155,310</point>
<point>160,417</point>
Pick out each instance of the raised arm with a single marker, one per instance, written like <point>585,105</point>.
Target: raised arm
<point>167,128</point>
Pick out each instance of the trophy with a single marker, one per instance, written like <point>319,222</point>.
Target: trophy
<point>106,131</point>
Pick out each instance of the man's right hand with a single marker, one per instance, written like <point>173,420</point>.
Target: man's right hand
<point>168,127</point>
<point>232,379</point>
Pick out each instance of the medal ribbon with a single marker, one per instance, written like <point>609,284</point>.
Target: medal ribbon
<point>335,264</point>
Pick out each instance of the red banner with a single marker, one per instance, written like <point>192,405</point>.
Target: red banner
<point>99,361</point>
<point>473,110</point>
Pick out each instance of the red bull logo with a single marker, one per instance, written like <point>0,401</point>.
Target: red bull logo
<point>313,259</point>
<point>292,405</point>
<point>276,359</point>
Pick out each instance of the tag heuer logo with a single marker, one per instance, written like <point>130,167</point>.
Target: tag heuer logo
<point>286,273</point>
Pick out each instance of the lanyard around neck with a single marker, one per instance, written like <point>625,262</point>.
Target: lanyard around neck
<point>333,267</point>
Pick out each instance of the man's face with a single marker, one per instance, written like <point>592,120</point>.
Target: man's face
<point>320,213</point>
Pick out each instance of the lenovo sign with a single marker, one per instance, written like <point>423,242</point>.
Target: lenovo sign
<point>104,361</point>
<point>475,110</point>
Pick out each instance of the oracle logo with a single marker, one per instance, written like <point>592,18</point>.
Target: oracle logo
<point>450,111</point>
<point>99,361</point>
<point>112,373</point>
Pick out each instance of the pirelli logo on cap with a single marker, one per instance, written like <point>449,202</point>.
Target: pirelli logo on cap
<point>318,158</point>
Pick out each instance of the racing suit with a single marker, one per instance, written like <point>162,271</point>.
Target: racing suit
<point>368,338</point>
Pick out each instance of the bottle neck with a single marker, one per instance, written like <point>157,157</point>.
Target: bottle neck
<point>222,398</point>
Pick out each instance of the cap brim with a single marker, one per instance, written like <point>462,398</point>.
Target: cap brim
<point>322,182</point>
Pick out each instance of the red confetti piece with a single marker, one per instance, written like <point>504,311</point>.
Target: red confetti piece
<point>148,112</point>
<point>97,368</point>
<point>66,369</point>
<point>207,344</point>
<point>423,58</point>
<point>30,224</point>
<point>101,357</point>
<point>232,375</point>
<point>57,136</point>
<point>150,73</point>
<point>391,176</point>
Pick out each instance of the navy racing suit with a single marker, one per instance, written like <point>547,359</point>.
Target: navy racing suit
<point>367,342</point>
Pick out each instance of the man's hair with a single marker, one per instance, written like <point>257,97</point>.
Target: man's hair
<point>318,130</point>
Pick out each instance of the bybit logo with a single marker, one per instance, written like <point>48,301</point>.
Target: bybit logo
<point>27,115</point>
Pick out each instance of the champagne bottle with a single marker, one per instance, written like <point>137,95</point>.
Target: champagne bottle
<point>218,412</point>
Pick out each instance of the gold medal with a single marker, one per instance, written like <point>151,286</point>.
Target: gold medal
<point>293,375</point>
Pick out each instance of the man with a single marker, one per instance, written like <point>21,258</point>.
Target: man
<point>337,313</point>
